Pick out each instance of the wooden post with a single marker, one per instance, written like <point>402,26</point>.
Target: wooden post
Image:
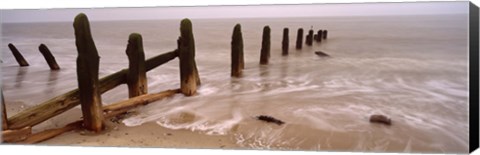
<point>319,36</point>
<point>87,74</point>
<point>186,47</point>
<point>52,63</point>
<point>299,38</point>
<point>4,114</point>
<point>237,52</point>
<point>285,42</point>
<point>309,39</point>
<point>18,56</point>
<point>325,32</point>
<point>265,51</point>
<point>137,75</point>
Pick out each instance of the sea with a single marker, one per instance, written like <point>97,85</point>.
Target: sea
<point>412,69</point>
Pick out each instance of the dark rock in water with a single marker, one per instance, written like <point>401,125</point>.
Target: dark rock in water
<point>321,54</point>
<point>270,119</point>
<point>380,119</point>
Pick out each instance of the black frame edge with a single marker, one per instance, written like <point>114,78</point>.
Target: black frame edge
<point>474,78</point>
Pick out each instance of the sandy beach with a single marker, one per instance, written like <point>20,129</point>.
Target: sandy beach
<point>116,134</point>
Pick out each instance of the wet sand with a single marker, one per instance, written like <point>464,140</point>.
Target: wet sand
<point>146,135</point>
<point>116,134</point>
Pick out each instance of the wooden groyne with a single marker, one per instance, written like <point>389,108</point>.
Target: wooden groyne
<point>90,87</point>
<point>17,128</point>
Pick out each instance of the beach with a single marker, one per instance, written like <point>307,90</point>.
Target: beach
<point>116,134</point>
<point>377,65</point>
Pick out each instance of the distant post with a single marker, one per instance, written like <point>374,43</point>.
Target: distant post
<point>319,36</point>
<point>4,114</point>
<point>18,56</point>
<point>87,74</point>
<point>137,75</point>
<point>325,32</point>
<point>299,39</point>
<point>52,63</point>
<point>265,51</point>
<point>237,52</point>
<point>285,42</point>
<point>188,74</point>
<point>309,39</point>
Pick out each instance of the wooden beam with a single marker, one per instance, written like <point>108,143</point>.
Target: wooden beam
<point>137,75</point>
<point>18,56</point>
<point>87,74</point>
<point>16,135</point>
<point>125,105</point>
<point>50,133</point>
<point>52,63</point>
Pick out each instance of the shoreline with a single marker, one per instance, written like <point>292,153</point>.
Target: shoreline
<point>117,134</point>
<point>145,135</point>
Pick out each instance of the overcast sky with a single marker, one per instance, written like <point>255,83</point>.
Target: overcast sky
<point>358,9</point>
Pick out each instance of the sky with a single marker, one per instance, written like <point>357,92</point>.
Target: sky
<point>250,11</point>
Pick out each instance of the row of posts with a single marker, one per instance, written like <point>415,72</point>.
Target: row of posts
<point>52,63</point>
<point>238,63</point>
<point>88,63</point>
<point>88,60</point>
<point>89,87</point>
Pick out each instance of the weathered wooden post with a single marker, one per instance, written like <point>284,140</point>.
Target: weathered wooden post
<point>309,39</point>
<point>188,74</point>
<point>137,74</point>
<point>325,32</point>
<point>285,42</point>
<point>18,56</point>
<point>265,51</point>
<point>52,63</point>
<point>299,38</point>
<point>87,75</point>
<point>319,36</point>
<point>237,52</point>
<point>4,114</point>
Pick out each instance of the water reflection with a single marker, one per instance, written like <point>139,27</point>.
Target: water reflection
<point>21,73</point>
